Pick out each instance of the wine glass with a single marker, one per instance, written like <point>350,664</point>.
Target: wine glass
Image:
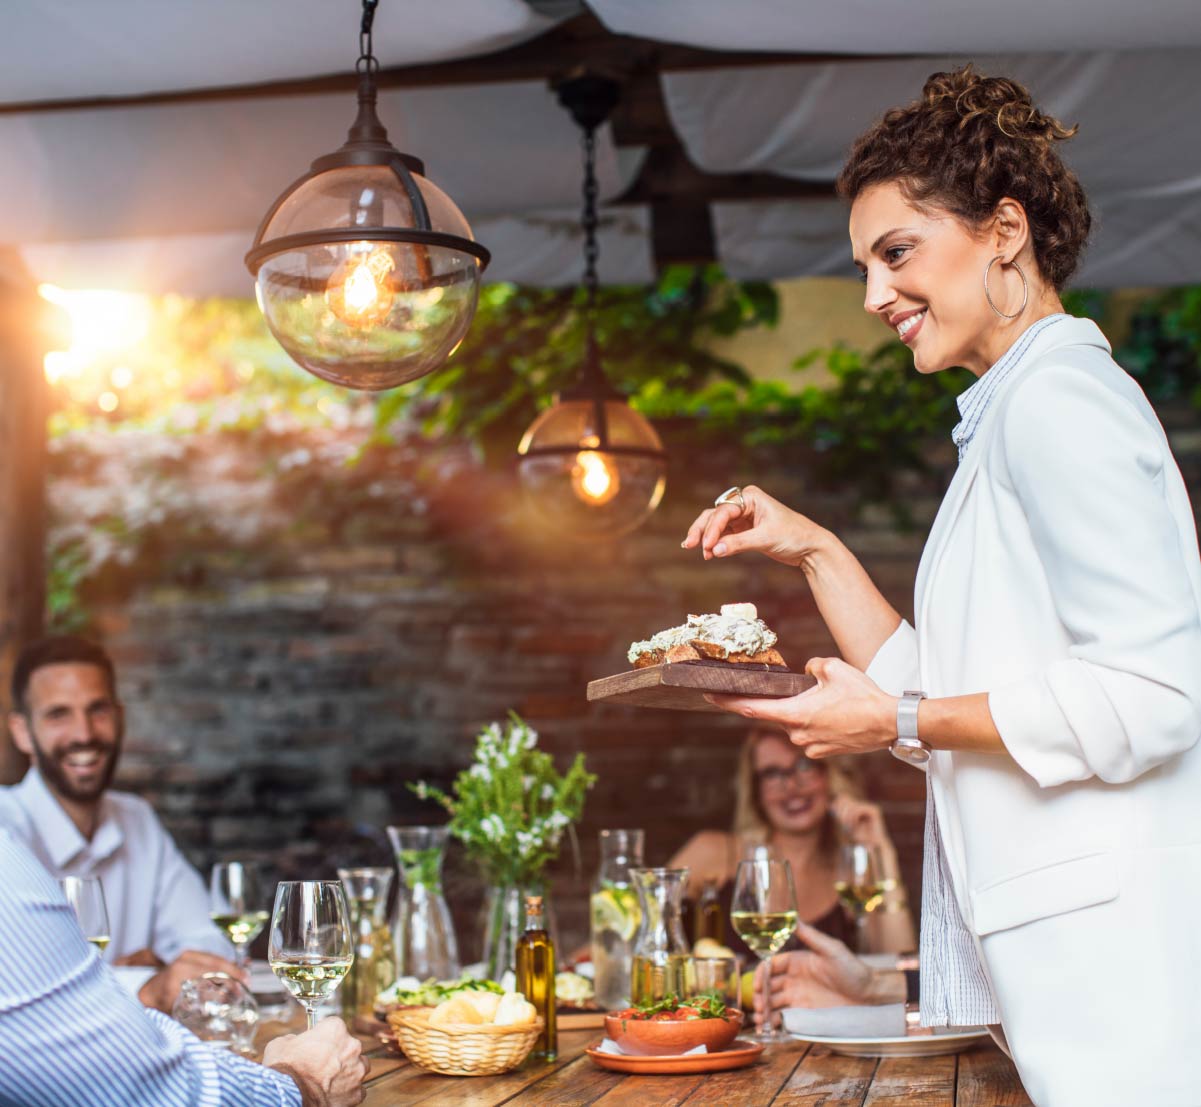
<point>310,948</point>
<point>859,882</point>
<point>763,913</point>
<point>236,906</point>
<point>86,897</point>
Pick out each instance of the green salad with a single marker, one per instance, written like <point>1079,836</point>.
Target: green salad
<point>707,1005</point>
<point>432,992</point>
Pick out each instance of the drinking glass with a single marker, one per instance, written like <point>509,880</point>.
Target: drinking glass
<point>86,897</point>
<point>859,882</point>
<point>310,948</point>
<point>720,976</point>
<point>236,906</point>
<point>763,913</point>
<point>219,1010</point>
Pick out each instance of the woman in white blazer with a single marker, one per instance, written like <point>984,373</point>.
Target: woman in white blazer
<point>1057,632</point>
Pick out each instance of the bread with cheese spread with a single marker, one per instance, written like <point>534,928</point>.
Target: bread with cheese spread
<point>737,635</point>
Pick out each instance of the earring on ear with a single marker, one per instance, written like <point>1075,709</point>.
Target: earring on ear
<point>1025,289</point>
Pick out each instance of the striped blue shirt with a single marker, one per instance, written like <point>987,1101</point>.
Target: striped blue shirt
<point>71,1036</point>
<point>956,990</point>
<point>974,402</point>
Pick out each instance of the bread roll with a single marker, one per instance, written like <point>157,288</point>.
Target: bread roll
<point>456,1011</point>
<point>514,1010</point>
<point>485,1003</point>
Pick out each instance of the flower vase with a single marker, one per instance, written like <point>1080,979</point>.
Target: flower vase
<point>505,906</point>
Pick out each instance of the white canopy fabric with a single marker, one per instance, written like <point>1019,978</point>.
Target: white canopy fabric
<point>76,49</point>
<point>1135,110</point>
<point>923,27</point>
<point>166,197</point>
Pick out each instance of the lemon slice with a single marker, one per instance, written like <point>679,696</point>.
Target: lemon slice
<point>615,909</point>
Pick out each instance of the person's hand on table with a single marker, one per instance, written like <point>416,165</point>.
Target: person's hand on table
<point>763,526</point>
<point>827,974</point>
<point>846,713</point>
<point>161,990</point>
<point>326,1062</point>
<point>140,959</point>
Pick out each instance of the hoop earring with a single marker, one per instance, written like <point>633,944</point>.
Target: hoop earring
<point>1025,289</point>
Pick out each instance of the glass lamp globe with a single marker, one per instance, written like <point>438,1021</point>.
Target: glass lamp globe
<point>349,298</point>
<point>589,481</point>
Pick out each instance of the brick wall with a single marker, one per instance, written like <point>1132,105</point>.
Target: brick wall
<point>285,683</point>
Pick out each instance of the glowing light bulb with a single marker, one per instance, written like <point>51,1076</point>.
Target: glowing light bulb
<point>594,478</point>
<point>359,292</point>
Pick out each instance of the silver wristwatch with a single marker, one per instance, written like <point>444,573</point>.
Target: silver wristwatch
<point>908,746</point>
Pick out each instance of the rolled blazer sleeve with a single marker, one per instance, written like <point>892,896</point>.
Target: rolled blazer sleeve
<point>1093,474</point>
<point>895,668</point>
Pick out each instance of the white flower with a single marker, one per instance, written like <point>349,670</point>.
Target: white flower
<point>493,827</point>
<point>548,792</point>
<point>481,772</point>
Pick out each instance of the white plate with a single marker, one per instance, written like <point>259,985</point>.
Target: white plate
<point>918,1045</point>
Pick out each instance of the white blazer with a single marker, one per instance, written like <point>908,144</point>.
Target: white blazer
<point>1062,577</point>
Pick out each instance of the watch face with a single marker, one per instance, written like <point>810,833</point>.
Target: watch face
<point>911,751</point>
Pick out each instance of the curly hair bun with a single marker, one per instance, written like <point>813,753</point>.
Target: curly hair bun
<point>997,101</point>
<point>968,143</point>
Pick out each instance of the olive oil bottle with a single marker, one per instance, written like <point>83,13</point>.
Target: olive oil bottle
<point>536,976</point>
<point>710,921</point>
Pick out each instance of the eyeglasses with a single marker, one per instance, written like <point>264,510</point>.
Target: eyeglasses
<point>775,777</point>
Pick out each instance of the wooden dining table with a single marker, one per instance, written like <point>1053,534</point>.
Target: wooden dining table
<point>790,1074</point>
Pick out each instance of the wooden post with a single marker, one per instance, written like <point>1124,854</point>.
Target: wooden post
<point>23,407</point>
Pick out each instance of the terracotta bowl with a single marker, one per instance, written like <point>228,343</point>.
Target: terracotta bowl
<point>659,1039</point>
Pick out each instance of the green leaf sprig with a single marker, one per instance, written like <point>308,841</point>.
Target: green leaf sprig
<point>511,807</point>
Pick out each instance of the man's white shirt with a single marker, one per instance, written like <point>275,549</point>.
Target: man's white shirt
<point>155,899</point>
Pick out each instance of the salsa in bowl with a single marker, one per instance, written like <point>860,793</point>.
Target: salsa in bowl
<point>671,1026</point>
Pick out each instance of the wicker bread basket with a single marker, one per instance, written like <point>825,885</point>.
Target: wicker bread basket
<point>463,1050</point>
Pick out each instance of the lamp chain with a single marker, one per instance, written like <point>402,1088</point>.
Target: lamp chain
<point>367,58</point>
<point>590,221</point>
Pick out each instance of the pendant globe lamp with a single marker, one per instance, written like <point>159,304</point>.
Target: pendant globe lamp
<point>591,466</point>
<point>365,270</point>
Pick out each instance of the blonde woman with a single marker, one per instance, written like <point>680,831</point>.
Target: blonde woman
<point>803,811</point>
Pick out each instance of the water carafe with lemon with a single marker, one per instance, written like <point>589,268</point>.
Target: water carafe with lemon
<point>614,916</point>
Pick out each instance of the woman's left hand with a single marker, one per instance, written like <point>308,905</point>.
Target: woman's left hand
<point>861,820</point>
<point>846,713</point>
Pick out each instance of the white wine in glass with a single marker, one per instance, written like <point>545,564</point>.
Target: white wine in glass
<point>763,913</point>
<point>860,885</point>
<point>86,898</point>
<point>310,947</point>
<point>236,905</point>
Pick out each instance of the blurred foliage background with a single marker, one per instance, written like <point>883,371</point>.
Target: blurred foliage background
<point>147,386</point>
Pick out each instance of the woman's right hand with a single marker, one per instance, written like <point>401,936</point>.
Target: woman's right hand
<point>764,526</point>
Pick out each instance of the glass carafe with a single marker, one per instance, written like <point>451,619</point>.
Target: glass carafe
<point>421,925</point>
<point>614,916</point>
<point>662,960</point>
<point>374,966</point>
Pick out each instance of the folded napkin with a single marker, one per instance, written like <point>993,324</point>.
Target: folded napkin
<point>884,1021</point>
<point>610,1046</point>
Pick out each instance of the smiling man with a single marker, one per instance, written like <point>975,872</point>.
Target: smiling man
<point>67,718</point>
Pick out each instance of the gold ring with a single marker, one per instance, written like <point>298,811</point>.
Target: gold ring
<point>731,496</point>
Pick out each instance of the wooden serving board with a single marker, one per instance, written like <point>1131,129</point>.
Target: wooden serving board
<point>681,685</point>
